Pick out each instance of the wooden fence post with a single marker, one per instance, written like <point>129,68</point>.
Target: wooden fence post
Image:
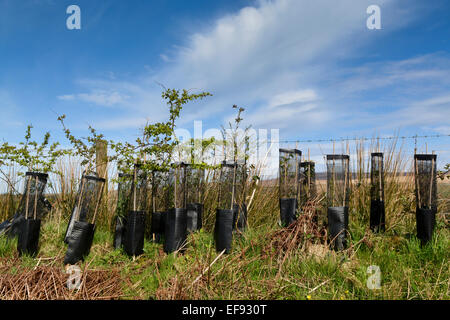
<point>102,159</point>
<point>101,164</point>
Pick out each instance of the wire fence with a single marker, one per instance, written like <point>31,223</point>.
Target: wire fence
<point>365,138</point>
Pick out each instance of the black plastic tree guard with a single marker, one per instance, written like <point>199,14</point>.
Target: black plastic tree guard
<point>338,226</point>
<point>80,232</point>
<point>28,240</point>
<point>86,204</point>
<point>11,227</point>
<point>288,211</point>
<point>159,204</point>
<point>119,232</point>
<point>157,226</point>
<point>377,216</point>
<point>425,223</point>
<point>337,199</point>
<point>175,235</point>
<point>426,195</point>
<point>223,230</point>
<point>79,242</point>
<point>133,244</point>
<point>162,225</point>
<point>377,208</point>
<point>288,183</point>
<point>195,176</point>
<point>135,228</point>
<point>123,198</point>
<point>194,216</point>
<point>29,227</point>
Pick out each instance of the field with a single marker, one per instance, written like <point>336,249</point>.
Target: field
<point>266,262</point>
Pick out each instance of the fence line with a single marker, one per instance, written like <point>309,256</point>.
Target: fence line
<point>366,138</point>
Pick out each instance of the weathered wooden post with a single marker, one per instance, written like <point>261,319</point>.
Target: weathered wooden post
<point>101,161</point>
<point>101,168</point>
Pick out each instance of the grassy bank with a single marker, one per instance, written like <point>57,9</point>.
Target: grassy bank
<point>265,264</point>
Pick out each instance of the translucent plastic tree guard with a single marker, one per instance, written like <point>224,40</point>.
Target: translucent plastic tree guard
<point>160,191</point>
<point>377,207</point>
<point>31,204</point>
<point>240,206</point>
<point>31,209</point>
<point>81,227</point>
<point>159,203</point>
<point>307,182</point>
<point>195,176</point>
<point>194,183</point>
<point>177,186</point>
<point>135,227</point>
<point>338,176</point>
<point>338,188</point>
<point>123,197</point>
<point>139,190</point>
<point>288,182</point>
<point>227,185</point>
<point>176,220</point>
<point>426,195</point>
<point>87,201</point>
<point>11,226</point>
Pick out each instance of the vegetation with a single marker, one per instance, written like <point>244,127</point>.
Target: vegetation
<point>267,262</point>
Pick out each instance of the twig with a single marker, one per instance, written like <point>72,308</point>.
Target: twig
<point>206,270</point>
<point>317,287</point>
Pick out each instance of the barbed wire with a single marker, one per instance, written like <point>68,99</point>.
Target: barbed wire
<point>366,138</point>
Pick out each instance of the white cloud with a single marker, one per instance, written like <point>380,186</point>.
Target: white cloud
<point>292,97</point>
<point>164,57</point>
<point>98,97</point>
<point>121,123</point>
<point>103,98</point>
<point>67,97</point>
<point>274,50</point>
<point>442,129</point>
<point>279,59</point>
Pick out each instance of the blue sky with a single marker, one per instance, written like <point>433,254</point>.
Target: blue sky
<point>309,68</point>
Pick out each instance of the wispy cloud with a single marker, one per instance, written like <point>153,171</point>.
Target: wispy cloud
<point>122,123</point>
<point>67,97</point>
<point>263,55</point>
<point>9,110</point>
<point>281,61</point>
<point>164,57</point>
<point>98,97</point>
<point>290,97</point>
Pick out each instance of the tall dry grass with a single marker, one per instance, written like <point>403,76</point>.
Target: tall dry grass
<point>261,195</point>
<point>398,184</point>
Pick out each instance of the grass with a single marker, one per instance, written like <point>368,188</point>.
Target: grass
<point>408,270</point>
<point>266,262</point>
